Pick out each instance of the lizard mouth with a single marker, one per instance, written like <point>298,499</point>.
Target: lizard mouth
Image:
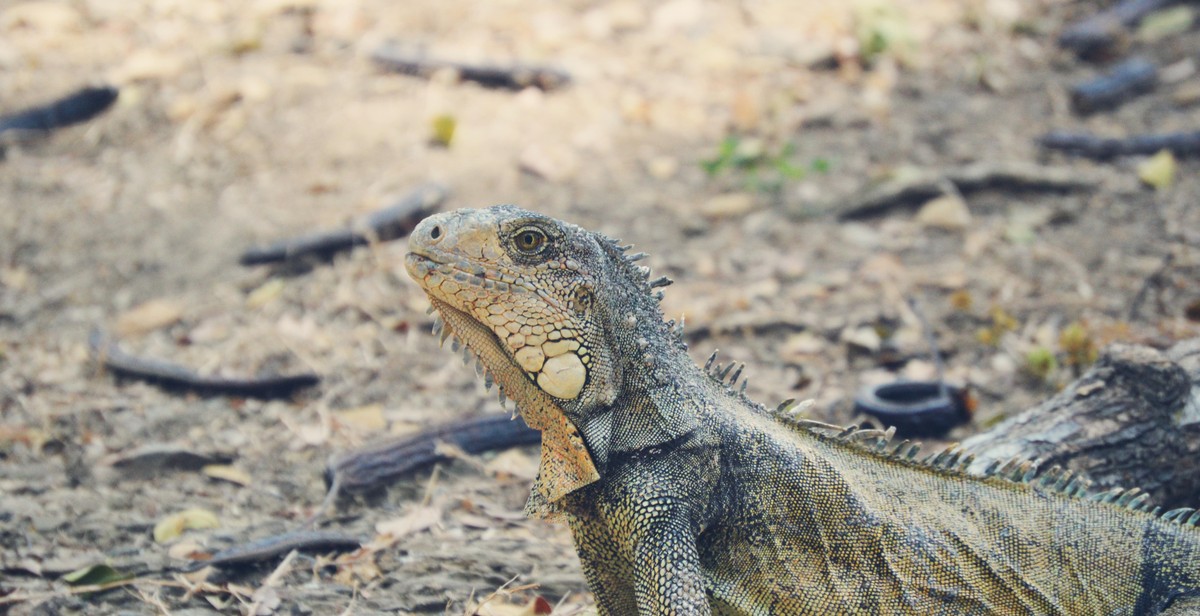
<point>419,264</point>
<point>493,358</point>
<point>526,329</point>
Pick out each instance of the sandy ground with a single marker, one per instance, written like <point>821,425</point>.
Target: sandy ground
<point>241,123</point>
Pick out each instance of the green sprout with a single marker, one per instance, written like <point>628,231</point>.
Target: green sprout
<point>759,167</point>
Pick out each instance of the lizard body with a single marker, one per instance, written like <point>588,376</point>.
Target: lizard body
<point>685,497</point>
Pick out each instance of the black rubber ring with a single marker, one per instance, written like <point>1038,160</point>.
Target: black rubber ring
<point>915,408</point>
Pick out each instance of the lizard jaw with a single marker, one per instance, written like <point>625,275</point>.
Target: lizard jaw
<point>547,350</point>
<point>498,366</point>
<point>566,465</point>
<point>483,344</point>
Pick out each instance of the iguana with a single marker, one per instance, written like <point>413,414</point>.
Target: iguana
<point>684,497</point>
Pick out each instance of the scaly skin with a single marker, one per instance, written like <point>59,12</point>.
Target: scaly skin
<point>684,497</point>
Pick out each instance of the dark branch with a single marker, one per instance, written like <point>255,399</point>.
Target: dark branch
<point>77,107</point>
<point>392,222</point>
<point>174,377</point>
<point>374,467</point>
<point>514,77</point>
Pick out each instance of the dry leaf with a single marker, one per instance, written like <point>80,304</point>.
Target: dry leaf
<point>188,550</point>
<point>266,601</point>
<point>225,472</point>
<point>662,167</point>
<point>149,316</point>
<point>1192,311</point>
<point>1166,23</point>
<point>44,16</point>
<point>415,521</point>
<point>352,567</point>
<point>309,435</point>
<point>148,65</point>
<point>865,338</point>
<point>1158,171</point>
<point>173,525</point>
<point>513,463</point>
<point>471,520</point>
<point>745,112</point>
<point>499,604</point>
<point>29,437</point>
<point>442,130</point>
<point>29,565</point>
<point>15,278</point>
<point>728,205</point>
<point>265,294</point>
<point>948,212</point>
<point>367,418</point>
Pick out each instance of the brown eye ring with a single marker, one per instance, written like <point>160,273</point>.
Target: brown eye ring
<point>530,240</point>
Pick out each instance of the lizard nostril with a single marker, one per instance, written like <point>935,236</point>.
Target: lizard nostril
<point>435,232</point>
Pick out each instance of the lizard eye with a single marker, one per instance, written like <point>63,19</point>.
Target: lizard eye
<point>530,240</point>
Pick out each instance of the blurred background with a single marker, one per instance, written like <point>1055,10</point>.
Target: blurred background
<point>800,168</point>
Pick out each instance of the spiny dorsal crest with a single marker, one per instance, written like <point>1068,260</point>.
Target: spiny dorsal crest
<point>720,374</point>
<point>637,272</point>
<point>641,273</point>
<point>955,460</point>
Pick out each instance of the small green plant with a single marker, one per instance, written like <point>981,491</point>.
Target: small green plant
<point>1001,322</point>
<point>758,166</point>
<point>883,30</point>
<point>1040,363</point>
<point>1078,344</point>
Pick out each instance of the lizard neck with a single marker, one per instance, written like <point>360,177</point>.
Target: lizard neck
<point>661,391</point>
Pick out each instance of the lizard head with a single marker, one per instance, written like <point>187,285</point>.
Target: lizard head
<point>552,312</point>
<point>527,279</point>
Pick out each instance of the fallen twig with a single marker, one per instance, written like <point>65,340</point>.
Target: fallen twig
<point>172,376</point>
<point>157,458</point>
<point>1104,31</point>
<point>85,590</point>
<point>392,222</point>
<point>79,106</point>
<point>922,186</point>
<point>746,326</point>
<point>1088,145</point>
<point>278,545</point>
<point>514,77</point>
<point>1126,80</point>
<point>377,465</point>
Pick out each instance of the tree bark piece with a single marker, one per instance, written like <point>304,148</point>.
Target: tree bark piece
<point>918,187</point>
<point>375,466</point>
<point>1123,82</point>
<point>77,107</point>
<point>510,77</point>
<point>174,377</point>
<point>389,223</point>
<point>1133,420</point>
<point>1103,32</point>
<point>276,546</point>
<point>1087,145</point>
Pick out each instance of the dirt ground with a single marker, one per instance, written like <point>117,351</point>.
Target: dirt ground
<point>241,123</point>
